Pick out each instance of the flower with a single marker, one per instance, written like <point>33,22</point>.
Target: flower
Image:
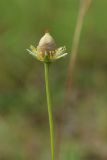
<point>46,50</point>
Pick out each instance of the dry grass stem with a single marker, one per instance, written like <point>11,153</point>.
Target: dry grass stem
<point>84,6</point>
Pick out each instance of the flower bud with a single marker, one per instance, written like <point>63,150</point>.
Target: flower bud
<point>46,44</point>
<point>46,50</point>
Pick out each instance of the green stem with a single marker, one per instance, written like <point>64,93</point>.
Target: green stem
<point>46,65</point>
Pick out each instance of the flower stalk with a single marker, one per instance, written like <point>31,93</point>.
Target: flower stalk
<point>49,104</point>
<point>47,52</point>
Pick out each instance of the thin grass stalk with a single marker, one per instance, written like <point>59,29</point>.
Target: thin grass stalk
<point>84,5</point>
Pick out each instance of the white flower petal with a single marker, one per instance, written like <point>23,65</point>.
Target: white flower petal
<point>62,55</point>
<point>60,51</point>
<point>32,53</point>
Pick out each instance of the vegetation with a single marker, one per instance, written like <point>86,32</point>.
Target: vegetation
<point>80,125</point>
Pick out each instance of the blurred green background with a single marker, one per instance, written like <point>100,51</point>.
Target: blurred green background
<point>81,126</point>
